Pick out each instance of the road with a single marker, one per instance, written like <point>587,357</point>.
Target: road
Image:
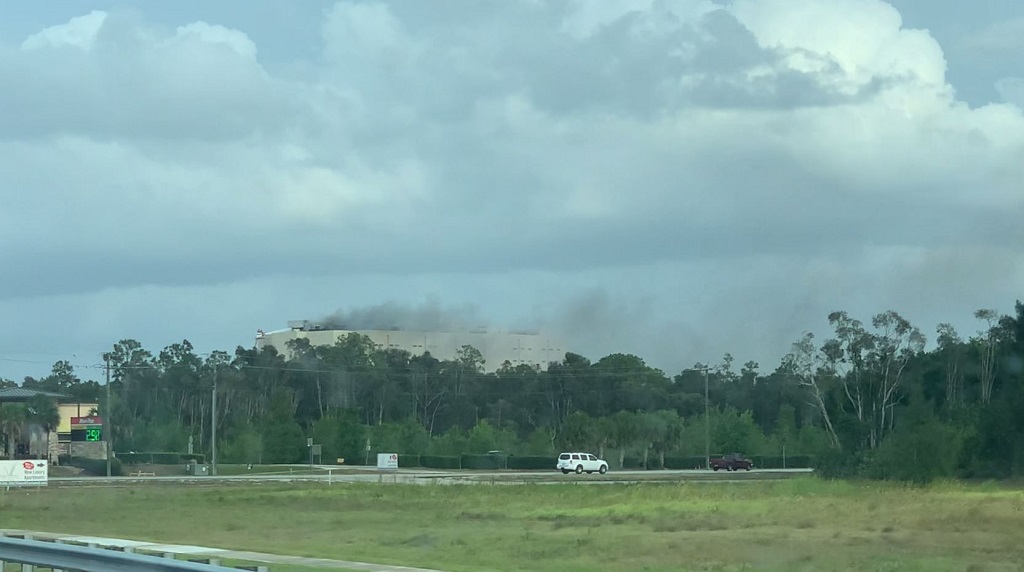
<point>333,475</point>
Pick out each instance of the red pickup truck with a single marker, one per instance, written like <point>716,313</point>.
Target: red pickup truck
<point>732,462</point>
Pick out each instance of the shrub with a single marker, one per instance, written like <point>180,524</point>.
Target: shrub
<point>636,462</point>
<point>438,462</point>
<point>484,462</point>
<point>684,463</point>
<point>409,461</point>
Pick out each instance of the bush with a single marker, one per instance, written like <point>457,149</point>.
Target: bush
<point>438,462</point>
<point>531,463</point>
<point>484,462</point>
<point>635,462</point>
<point>98,467</point>
<point>684,463</point>
<point>778,462</point>
<point>409,461</point>
<point>835,464</point>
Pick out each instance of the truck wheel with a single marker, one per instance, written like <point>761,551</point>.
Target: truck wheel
<point>579,469</point>
<point>714,469</point>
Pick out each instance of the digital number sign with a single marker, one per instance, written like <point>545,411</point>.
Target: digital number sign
<point>89,429</point>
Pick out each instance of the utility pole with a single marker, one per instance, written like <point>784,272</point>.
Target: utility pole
<point>707,424</point>
<point>107,414</point>
<point>213,420</point>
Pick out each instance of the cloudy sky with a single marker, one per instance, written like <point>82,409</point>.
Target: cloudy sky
<point>676,179</point>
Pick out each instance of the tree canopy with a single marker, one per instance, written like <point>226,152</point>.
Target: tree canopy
<point>868,399</point>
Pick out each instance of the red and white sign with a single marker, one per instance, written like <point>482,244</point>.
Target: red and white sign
<point>91,420</point>
<point>387,461</point>
<point>33,472</point>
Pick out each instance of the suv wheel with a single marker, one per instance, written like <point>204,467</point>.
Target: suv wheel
<point>565,471</point>
<point>579,469</point>
<point>603,469</point>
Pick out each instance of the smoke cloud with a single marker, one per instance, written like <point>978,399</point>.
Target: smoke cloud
<point>431,316</point>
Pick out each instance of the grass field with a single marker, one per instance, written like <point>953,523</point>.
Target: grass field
<point>798,524</point>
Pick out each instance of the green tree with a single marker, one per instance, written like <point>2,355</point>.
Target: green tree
<point>342,436</point>
<point>921,448</point>
<point>12,424</point>
<point>283,439</point>
<point>625,433</point>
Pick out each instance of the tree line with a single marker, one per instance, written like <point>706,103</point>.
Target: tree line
<point>867,400</point>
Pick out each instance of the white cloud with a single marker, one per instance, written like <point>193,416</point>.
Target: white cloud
<point>79,32</point>
<point>666,140</point>
<point>233,39</point>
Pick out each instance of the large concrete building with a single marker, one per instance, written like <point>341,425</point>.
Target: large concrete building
<point>517,348</point>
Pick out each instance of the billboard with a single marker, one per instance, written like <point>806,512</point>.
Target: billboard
<point>25,472</point>
<point>387,461</point>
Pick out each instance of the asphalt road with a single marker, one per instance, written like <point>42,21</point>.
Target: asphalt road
<point>423,477</point>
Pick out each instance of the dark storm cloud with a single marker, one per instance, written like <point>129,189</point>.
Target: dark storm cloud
<point>560,138</point>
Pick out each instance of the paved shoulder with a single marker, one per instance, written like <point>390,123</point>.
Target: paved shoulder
<point>182,549</point>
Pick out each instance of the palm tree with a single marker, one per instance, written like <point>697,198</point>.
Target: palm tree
<point>12,421</point>
<point>43,411</point>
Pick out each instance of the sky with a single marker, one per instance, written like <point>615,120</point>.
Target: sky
<point>674,179</point>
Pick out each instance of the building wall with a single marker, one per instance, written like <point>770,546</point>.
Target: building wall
<point>69,410</point>
<point>496,347</point>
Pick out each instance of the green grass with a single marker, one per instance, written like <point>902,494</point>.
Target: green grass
<point>792,525</point>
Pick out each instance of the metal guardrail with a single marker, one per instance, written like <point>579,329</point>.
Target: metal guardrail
<point>70,557</point>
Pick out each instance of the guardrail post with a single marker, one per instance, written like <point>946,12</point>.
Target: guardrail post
<point>27,568</point>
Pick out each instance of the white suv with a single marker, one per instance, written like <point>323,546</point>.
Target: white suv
<point>580,462</point>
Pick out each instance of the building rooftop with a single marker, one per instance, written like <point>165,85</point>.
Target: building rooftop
<point>22,394</point>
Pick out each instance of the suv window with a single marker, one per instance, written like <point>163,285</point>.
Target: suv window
<point>564,456</point>
<point>591,457</point>
<point>577,457</point>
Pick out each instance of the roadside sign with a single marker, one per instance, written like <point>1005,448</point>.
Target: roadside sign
<point>87,428</point>
<point>387,461</point>
<point>32,472</point>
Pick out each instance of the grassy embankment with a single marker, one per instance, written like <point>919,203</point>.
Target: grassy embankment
<point>799,524</point>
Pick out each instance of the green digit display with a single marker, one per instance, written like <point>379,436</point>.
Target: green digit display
<point>93,434</point>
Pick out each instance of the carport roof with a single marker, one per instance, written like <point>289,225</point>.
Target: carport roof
<point>23,394</point>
